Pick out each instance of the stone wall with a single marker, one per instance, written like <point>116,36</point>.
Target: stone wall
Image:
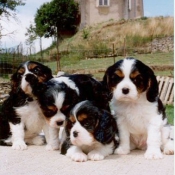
<point>165,44</point>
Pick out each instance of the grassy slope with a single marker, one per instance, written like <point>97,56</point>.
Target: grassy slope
<point>136,33</point>
<point>67,63</point>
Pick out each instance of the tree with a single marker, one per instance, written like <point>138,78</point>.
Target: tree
<point>31,34</point>
<point>56,19</point>
<point>8,7</point>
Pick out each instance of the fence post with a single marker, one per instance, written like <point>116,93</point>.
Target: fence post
<point>124,47</point>
<point>113,50</point>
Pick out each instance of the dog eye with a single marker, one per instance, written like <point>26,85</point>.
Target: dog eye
<point>88,125</point>
<point>116,79</point>
<point>49,113</point>
<point>137,79</point>
<point>19,75</point>
<point>73,123</point>
<point>36,70</point>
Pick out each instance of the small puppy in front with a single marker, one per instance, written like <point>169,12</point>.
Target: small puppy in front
<point>139,112</point>
<point>21,120</point>
<point>59,95</point>
<point>91,133</point>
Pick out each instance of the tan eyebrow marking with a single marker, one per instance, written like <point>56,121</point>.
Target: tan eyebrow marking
<point>134,74</point>
<point>119,73</point>
<point>53,108</point>
<point>32,66</point>
<point>21,70</point>
<point>72,119</point>
<point>82,117</point>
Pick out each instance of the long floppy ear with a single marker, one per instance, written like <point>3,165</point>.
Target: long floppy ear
<point>65,146</point>
<point>105,80</point>
<point>47,73</point>
<point>69,103</point>
<point>106,128</point>
<point>37,87</point>
<point>15,82</point>
<point>109,74</point>
<point>153,88</point>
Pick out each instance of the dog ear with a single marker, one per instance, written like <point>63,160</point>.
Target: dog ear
<point>105,80</point>
<point>109,74</point>
<point>153,89</point>
<point>65,146</point>
<point>106,128</point>
<point>47,72</point>
<point>15,82</point>
<point>69,102</point>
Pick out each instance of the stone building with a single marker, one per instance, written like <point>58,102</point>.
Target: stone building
<point>96,11</point>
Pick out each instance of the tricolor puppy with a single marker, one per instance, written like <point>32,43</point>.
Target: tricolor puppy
<point>21,119</point>
<point>139,112</point>
<point>59,95</point>
<point>91,133</point>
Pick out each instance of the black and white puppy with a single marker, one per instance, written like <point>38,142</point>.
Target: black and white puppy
<point>92,133</point>
<point>59,95</point>
<point>21,119</point>
<point>139,112</point>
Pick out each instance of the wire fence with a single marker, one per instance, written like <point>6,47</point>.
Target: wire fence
<point>11,58</point>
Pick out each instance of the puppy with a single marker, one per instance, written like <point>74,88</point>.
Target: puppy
<point>59,95</point>
<point>21,119</point>
<point>92,133</point>
<point>139,112</point>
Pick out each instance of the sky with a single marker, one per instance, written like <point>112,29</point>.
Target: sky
<point>25,15</point>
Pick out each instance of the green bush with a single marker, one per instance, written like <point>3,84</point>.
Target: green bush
<point>85,34</point>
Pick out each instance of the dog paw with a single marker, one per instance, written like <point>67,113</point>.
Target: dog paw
<point>122,151</point>
<point>95,155</point>
<point>79,157</point>
<point>153,154</point>
<point>168,152</point>
<point>52,147</point>
<point>20,145</point>
<point>169,148</point>
<point>38,140</point>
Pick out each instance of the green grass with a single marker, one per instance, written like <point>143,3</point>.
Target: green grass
<point>77,63</point>
<point>170,114</point>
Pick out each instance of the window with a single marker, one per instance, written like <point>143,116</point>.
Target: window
<point>129,4</point>
<point>103,3</point>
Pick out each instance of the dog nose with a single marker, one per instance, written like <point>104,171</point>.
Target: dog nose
<point>75,133</point>
<point>125,90</point>
<point>59,123</point>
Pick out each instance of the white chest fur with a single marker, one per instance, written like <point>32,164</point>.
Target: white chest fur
<point>31,117</point>
<point>137,115</point>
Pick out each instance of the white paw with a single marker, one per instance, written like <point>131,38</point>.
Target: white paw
<point>153,154</point>
<point>38,140</point>
<point>52,147</point>
<point>79,157</point>
<point>19,145</point>
<point>169,148</point>
<point>121,150</point>
<point>95,155</point>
